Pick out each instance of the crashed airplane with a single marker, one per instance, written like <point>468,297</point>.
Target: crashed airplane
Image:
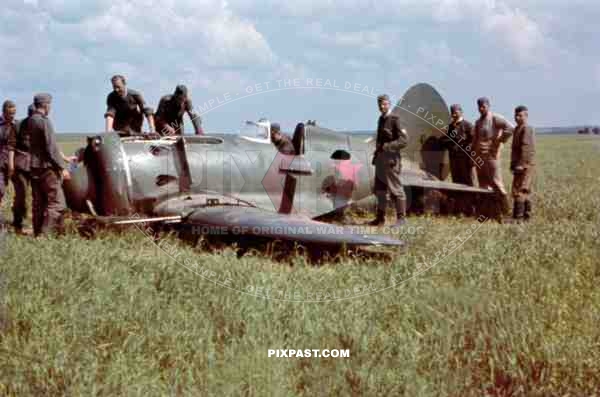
<point>240,187</point>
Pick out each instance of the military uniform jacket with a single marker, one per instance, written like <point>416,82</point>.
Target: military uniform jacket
<point>6,130</point>
<point>458,139</point>
<point>391,138</point>
<point>127,110</point>
<point>18,142</point>
<point>523,147</point>
<point>285,145</point>
<point>170,113</point>
<point>44,152</point>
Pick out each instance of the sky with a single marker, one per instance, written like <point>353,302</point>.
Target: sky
<point>255,59</point>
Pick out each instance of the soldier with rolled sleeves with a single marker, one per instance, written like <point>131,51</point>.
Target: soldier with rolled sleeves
<point>47,169</point>
<point>19,170</point>
<point>457,141</point>
<point>391,139</point>
<point>126,109</point>
<point>522,164</point>
<point>169,114</point>
<point>490,132</point>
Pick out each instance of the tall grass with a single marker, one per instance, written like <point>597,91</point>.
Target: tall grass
<point>514,311</point>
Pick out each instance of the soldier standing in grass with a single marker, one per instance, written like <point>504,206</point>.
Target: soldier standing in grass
<point>47,169</point>
<point>7,126</point>
<point>522,164</point>
<point>19,171</point>
<point>391,139</point>
<point>171,108</point>
<point>459,137</point>
<point>126,109</point>
<point>490,132</point>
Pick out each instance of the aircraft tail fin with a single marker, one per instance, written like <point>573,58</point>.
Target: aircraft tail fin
<point>424,114</point>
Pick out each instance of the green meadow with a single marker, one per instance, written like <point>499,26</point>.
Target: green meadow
<point>511,310</point>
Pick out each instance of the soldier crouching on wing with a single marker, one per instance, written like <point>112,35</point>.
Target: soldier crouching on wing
<point>126,109</point>
<point>391,139</point>
<point>169,114</point>
<point>522,164</point>
<point>47,169</point>
<point>490,132</point>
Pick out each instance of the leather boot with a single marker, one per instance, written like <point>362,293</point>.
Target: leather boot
<point>380,219</point>
<point>518,209</point>
<point>400,212</point>
<point>527,210</point>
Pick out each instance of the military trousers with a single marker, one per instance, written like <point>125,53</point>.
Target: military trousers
<point>521,185</point>
<point>20,181</point>
<point>48,201</point>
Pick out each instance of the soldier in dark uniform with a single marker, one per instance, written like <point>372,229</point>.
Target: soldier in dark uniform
<point>18,170</point>
<point>459,137</point>
<point>391,138</point>
<point>171,108</point>
<point>47,169</point>
<point>281,141</point>
<point>126,109</point>
<point>7,126</point>
<point>522,164</point>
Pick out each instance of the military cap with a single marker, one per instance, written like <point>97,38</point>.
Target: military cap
<point>483,101</point>
<point>7,105</point>
<point>275,127</point>
<point>455,108</point>
<point>181,90</point>
<point>521,108</point>
<point>42,99</point>
<point>383,97</point>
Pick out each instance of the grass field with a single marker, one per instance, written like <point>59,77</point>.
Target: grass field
<point>513,311</point>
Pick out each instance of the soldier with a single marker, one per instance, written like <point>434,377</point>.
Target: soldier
<point>18,171</point>
<point>490,132</point>
<point>281,141</point>
<point>7,126</point>
<point>47,169</point>
<point>459,137</point>
<point>126,109</point>
<point>169,115</point>
<point>391,138</point>
<point>522,164</point>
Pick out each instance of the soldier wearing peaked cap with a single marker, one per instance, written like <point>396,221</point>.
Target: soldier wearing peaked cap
<point>171,108</point>
<point>391,139</point>
<point>47,169</point>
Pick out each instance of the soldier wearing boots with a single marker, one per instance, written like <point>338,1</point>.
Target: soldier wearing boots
<point>490,132</point>
<point>391,139</point>
<point>457,140</point>
<point>47,169</point>
<point>18,172</point>
<point>522,164</point>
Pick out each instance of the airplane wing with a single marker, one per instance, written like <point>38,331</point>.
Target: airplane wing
<point>234,218</point>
